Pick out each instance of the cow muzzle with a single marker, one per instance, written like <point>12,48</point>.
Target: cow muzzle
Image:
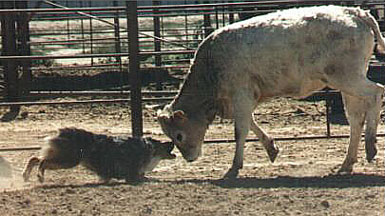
<point>191,154</point>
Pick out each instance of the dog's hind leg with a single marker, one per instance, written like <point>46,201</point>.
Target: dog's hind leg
<point>42,166</point>
<point>32,162</point>
<point>48,164</point>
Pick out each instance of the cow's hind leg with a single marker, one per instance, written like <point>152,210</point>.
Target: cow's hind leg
<point>355,112</point>
<point>267,141</point>
<point>372,119</point>
<point>361,108</point>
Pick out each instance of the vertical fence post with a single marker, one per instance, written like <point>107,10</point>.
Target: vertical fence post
<point>8,39</point>
<point>157,44</point>
<point>82,31</point>
<point>328,133</point>
<point>186,30</point>
<point>24,48</point>
<point>207,22</point>
<point>91,36</point>
<point>231,13</point>
<point>135,85</point>
<point>117,36</point>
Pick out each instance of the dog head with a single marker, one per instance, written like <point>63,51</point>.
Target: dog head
<point>161,149</point>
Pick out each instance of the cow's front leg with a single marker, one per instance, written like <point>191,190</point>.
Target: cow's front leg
<point>242,118</point>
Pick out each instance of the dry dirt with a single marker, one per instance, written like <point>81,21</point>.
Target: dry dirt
<point>300,182</point>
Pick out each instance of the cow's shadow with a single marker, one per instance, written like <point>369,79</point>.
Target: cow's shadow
<point>356,180</point>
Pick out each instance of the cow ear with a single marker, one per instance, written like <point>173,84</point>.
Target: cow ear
<point>180,116</point>
<point>163,116</point>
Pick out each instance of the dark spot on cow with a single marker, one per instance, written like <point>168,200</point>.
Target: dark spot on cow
<point>333,68</point>
<point>324,80</point>
<point>334,35</point>
<point>308,18</point>
<point>309,40</point>
<point>301,60</point>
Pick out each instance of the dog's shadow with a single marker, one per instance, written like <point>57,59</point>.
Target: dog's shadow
<point>356,180</point>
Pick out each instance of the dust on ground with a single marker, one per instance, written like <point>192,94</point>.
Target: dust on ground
<point>300,182</point>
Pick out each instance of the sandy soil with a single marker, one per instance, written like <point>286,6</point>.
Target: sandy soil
<point>300,182</point>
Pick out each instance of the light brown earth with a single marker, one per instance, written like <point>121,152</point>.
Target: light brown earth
<point>298,183</point>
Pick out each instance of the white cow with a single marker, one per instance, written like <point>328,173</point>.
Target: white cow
<point>293,53</point>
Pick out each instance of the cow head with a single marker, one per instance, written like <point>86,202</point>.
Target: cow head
<point>186,133</point>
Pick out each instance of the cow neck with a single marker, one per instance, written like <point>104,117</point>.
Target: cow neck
<point>197,96</point>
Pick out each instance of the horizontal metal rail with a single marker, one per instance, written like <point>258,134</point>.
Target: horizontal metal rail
<point>149,9</point>
<point>290,138</point>
<point>212,141</point>
<point>75,102</point>
<point>109,66</point>
<point>328,93</point>
<point>100,93</point>
<point>143,53</point>
<point>142,9</point>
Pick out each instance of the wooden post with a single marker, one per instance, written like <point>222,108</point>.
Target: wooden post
<point>8,33</point>
<point>133,50</point>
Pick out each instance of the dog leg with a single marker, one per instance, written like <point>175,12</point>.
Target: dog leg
<point>32,162</point>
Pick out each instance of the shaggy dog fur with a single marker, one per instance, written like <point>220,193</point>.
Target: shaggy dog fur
<point>109,157</point>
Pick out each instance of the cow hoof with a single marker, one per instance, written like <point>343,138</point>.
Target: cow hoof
<point>231,174</point>
<point>345,171</point>
<point>40,178</point>
<point>370,153</point>
<point>25,177</point>
<point>273,152</point>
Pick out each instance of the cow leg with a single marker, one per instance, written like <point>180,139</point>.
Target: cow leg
<point>372,119</point>
<point>243,109</point>
<point>267,141</point>
<point>359,109</point>
<point>355,112</point>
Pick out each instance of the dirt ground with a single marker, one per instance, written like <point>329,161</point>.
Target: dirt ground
<point>300,182</point>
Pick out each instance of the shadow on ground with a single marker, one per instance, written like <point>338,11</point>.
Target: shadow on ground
<point>332,181</point>
<point>357,180</point>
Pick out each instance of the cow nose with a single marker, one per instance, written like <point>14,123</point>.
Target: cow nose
<point>190,160</point>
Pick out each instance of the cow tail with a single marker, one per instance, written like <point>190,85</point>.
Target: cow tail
<point>371,21</point>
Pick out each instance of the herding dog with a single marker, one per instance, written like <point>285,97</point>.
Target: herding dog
<point>109,157</point>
